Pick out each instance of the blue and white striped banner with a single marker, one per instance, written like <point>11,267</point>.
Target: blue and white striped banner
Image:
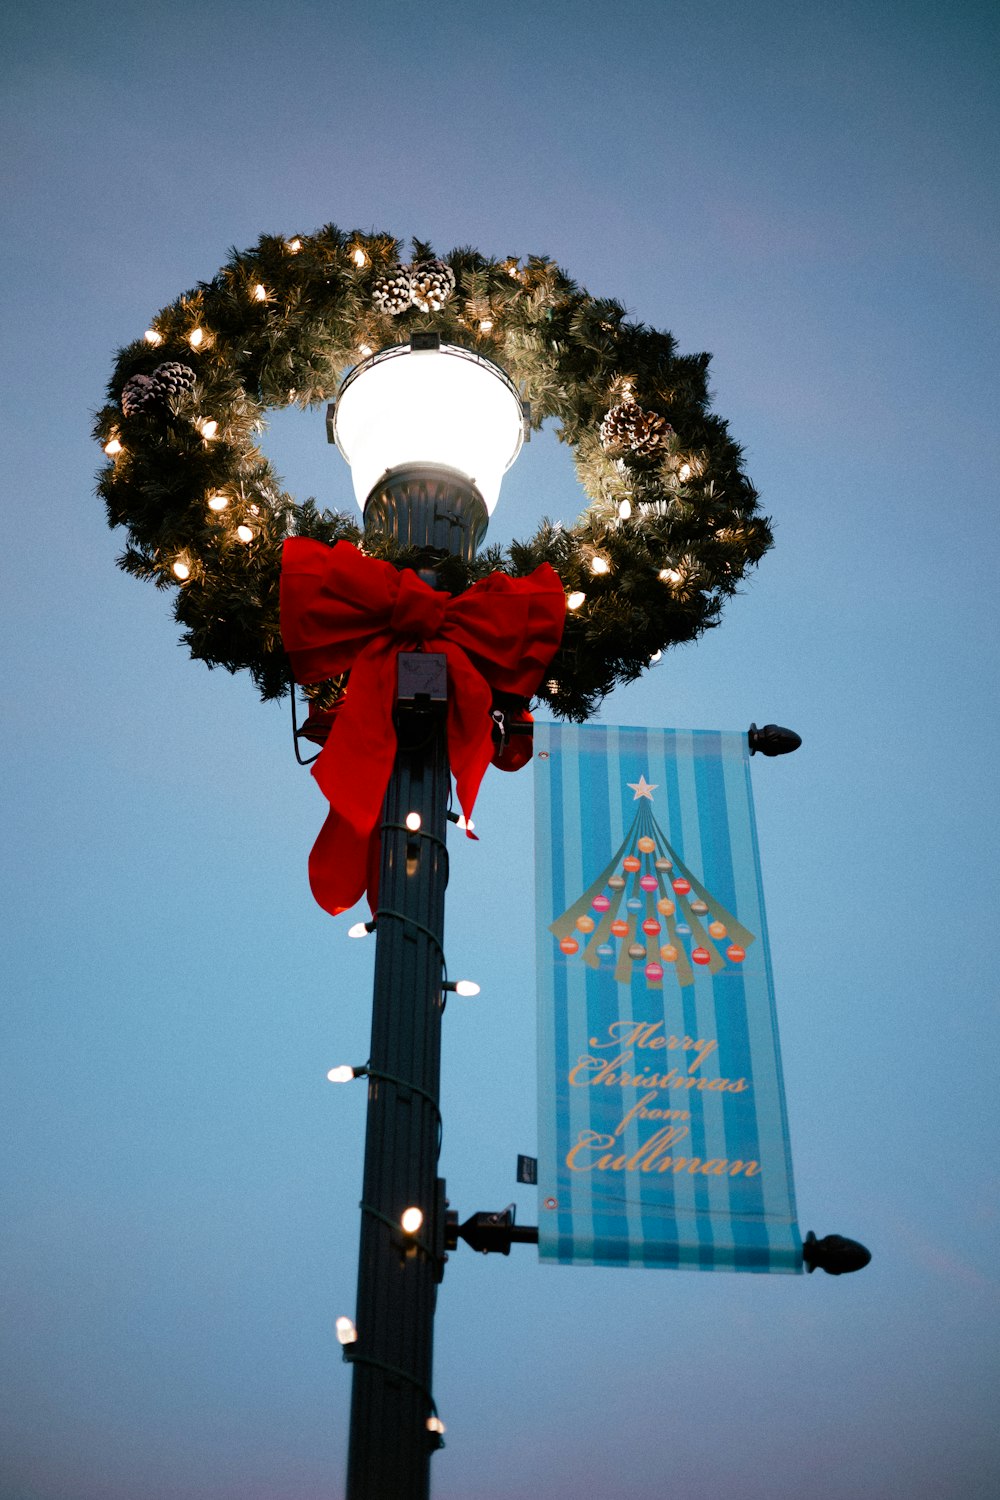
<point>663,1137</point>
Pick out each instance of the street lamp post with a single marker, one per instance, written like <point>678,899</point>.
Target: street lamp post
<point>429,431</point>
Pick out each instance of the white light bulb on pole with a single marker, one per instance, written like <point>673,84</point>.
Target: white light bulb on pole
<point>344,1073</point>
<point>346,1331</point>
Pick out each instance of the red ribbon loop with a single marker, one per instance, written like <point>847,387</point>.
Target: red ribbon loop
<point>342,611</point>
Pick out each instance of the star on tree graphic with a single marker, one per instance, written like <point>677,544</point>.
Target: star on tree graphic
<point>648,908</point>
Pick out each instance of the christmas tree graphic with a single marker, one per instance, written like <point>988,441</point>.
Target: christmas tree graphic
<point>646,907</point>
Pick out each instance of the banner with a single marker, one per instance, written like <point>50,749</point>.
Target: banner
<point>663,1137</point>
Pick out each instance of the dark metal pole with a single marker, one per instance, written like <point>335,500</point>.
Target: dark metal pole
<point>390,1444</point>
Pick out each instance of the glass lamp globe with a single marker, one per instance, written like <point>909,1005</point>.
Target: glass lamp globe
<point>428,421</point>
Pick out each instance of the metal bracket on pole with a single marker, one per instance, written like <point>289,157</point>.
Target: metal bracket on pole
<point>490,1232</point>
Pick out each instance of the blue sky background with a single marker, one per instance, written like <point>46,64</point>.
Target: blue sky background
<point>808,192</point>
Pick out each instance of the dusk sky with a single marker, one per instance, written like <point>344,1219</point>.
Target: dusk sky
<point>808,192</point>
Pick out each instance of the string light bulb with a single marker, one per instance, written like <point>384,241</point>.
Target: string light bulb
<point>669,575</point>
<point>413,821</point>
<point>260,292</point>
<point>624,509</point>
<point>359,257</point>
<point>461,986</point>
<point>152,337</point>
<point>575,599</point>
<point>196,338</point>
<point>656,656</point>
<point>218,502</point>
<point>364,350</point>
<point>599,564</point>
<point>435,1424</point>
<point>182,567</point>
<point>209,429</point>
<point>359,930</point>
<point>113,447</point>
<point>245,533</point>
<point>294,246</point>
<point>684,473</point>
<point>346,1331</point>
<point>344,1073</point>
<point>411,1219</point>
<point>460,821</point>
<point>486,325</point>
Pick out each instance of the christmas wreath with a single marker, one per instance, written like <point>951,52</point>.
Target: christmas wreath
<point>672,522</point>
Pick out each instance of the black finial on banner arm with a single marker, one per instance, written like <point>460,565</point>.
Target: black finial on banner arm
<point>772,740</point>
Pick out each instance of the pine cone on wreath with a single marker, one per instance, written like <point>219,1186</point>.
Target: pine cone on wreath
<point>391,292</point>
<point>137,393</point>
<point>628,427</point>
<point>172,379</point>
<point>431,284</point>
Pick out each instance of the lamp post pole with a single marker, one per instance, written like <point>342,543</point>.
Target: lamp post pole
<point>429,430</point>
<point>390,1442</point>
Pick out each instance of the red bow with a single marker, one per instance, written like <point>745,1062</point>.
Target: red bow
<point>342,611</point>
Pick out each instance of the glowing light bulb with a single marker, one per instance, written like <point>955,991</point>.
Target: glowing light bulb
<point>485,325</point>
<point>575,599</point>
<point>245,533</point>
<point>599,564</point>
<point>152,337</point>
<point>218,502</point>
<point>462,822</point>
<point>514,272</point>
<point>260,292</point>
<point>359,257</point>
<point>624,510</point>
<point>466,987</point>
<point>342,1074</point>
<point>669,575</point>
<point>684,473</point>
<point>358,930</point>
<point>346,1331</point>
<point>364,350</point>
<point>113,447</point>
<point>181,569</point>
<point>196,338</point>
<point>553,687</point>
<point>209,429</point>
<point>411,1219</point>
<point>294,246</point>
<point>656,656</point>
<point>435,1424</point>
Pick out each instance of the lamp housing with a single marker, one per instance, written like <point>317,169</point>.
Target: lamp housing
<point>427,416</point>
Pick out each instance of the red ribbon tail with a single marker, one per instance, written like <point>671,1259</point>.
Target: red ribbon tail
<point>353,772</point>
<point>337,864</point>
